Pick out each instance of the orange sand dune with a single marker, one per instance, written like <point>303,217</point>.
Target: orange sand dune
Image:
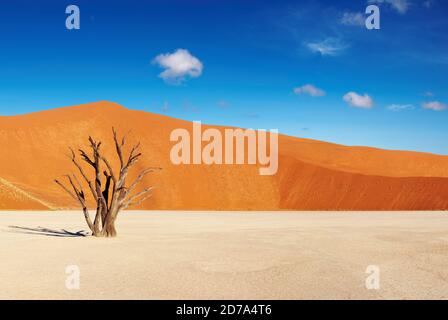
<point>312,175</point>
<point>13,197</point>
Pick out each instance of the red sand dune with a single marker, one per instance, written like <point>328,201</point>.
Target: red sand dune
<point>312,175</point>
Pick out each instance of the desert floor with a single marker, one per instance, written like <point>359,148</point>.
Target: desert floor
<point>207,255</point>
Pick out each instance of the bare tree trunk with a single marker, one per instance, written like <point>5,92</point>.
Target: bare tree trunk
<point>96,232</point>
<point>109,223</point>
<point>112,199</point>
<point>109,229</point>
<point>86,216</point>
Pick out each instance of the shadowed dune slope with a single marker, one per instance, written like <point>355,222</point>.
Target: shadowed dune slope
<point>312,175</point>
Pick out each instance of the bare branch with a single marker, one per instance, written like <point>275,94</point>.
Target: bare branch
<point>80,197</point>
<point>132,156</point>
<point>86,158</point>
<point>77,181</point>
<point>111,171</point>
<point>95,145</point>
<point>73,158</point>
<point>79,193</point>
<point>106,188</point>
<point>66,189</point>
<point>139,178</point>
<point>136,203</point>
<point>137,195</point>
<point>118,147</point>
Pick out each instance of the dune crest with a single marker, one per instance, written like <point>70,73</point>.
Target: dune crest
<point>9,193</point>
<point>312,175</point>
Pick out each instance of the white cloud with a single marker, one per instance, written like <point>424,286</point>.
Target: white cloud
<point>401,6</point>
<point>358,101</point>
<point>435,105</point>
<point>327,47</point>
<point>400,107</point>
<point>428,94</point>
<point>311,90</point>
<point>178,66</point>
<point>353,19</point>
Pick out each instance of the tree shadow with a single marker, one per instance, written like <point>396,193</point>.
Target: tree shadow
<point>49,232</point>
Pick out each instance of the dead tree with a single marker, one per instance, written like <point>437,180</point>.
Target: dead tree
<point>109,189</point>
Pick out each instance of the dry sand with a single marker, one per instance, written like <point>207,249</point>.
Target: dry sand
<point>187,255</point>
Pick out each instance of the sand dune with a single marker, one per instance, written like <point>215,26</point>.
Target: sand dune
<point>312,175</point>
<point>13,196</point>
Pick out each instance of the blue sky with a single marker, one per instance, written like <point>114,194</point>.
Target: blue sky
<point>308,68</point>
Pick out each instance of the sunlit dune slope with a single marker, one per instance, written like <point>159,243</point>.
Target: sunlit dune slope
<point>311,175</point>
<point>13,197</point>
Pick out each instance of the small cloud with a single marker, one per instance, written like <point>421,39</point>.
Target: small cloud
<point>401,6</point>
<point>178,66</point>
<point>358,101</point>
<point>353,19</point>
<point>435,105</point>
<point>428,94</point>
<point>400,107</point>
<point>327,47</point>
<point>311,90</point>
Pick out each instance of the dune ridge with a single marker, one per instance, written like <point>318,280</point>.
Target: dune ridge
<point>9,193</point>
<point>312,175</point>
